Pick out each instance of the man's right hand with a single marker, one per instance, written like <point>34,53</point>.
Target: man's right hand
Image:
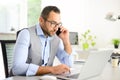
<point>60,69</point>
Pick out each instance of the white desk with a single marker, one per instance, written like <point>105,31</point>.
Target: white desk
<point>109,73</point>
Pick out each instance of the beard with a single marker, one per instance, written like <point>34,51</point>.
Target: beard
<point>47,33</point>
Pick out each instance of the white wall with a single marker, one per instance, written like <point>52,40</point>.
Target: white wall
<point>80,15</point>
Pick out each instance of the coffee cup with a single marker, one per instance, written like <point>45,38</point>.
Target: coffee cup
<point>114,61</point>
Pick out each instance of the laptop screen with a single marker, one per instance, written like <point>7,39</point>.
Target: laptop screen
<point>93,66</point>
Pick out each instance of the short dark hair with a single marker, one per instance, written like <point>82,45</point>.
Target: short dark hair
<point>45,12</point>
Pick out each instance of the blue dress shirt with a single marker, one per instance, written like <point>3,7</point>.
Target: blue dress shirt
<point>20,67</point>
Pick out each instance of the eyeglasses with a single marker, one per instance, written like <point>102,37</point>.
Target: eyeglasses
<point>54,24</point>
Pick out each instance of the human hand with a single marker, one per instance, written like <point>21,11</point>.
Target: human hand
<point>64,35</point>
<point>60,69</point>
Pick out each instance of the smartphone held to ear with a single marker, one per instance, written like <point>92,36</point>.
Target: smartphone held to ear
<point>58,31</point>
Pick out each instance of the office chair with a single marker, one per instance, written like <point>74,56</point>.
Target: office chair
<point>7,50</point>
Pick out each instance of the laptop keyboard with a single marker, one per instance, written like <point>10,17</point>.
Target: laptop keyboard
<point>74,76</point>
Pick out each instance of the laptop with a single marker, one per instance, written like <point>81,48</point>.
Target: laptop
<point>93,66</point>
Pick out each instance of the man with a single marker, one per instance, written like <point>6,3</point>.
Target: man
<point>37,46</point>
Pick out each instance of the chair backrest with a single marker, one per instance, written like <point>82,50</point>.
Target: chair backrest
<point>7,50</point>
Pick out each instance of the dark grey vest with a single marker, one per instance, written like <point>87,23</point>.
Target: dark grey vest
<point>34,55</point>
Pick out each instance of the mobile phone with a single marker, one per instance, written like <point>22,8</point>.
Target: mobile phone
<point>58,31</point>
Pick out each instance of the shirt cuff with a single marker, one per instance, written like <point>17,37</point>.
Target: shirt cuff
<point>32,70</point>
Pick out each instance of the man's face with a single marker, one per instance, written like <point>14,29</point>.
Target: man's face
<point>51,24</point>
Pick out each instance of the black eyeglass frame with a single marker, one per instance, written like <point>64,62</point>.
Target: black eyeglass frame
<point>54,24</point>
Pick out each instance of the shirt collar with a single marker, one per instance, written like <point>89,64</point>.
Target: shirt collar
<point>40,31</point>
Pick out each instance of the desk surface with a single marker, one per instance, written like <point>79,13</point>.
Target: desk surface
<point>109,73</point>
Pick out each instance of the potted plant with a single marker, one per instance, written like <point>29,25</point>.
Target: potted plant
<point>116,42</point>
<point>87,40</point>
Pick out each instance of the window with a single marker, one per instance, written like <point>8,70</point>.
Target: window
<point>13,15</point>
<point>18,14</point>
<point>34,8</point>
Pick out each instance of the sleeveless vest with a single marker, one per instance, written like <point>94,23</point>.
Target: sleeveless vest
<point>35,48</point>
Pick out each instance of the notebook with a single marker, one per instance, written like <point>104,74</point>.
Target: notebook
<point>93,66</point>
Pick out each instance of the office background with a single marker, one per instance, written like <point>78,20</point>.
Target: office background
<point>77,16</point>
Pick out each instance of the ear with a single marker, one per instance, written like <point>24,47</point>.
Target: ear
<point>41,20</point>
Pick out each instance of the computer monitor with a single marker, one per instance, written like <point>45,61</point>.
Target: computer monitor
<point>7,50</point>
<point>73,38</point>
